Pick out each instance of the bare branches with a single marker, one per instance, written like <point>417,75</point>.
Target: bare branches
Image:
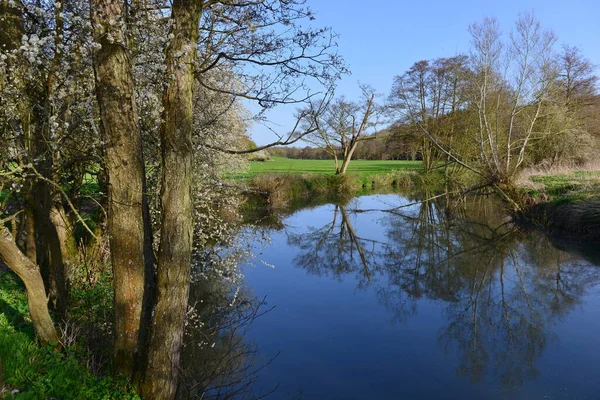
<point>276,58</point>
<point>343,124</point>
<point>307,122</point>
<point>482,112</point>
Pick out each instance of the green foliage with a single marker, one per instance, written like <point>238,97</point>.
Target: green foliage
<point>36,372</point>
<point>395,178</point>
<point>3,194</point>
<point>92,301</point>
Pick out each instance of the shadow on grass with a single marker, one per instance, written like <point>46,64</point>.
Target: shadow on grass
<point>13,302</point>
<point>16,319</point>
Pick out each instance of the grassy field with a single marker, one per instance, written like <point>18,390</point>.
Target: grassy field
<point>363,167</point>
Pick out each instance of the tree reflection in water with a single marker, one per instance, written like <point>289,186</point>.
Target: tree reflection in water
<point>218,363</point>
<point>335,249</point>
<point>503,289</point>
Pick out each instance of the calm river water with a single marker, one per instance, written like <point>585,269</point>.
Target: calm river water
<point>423,303</point>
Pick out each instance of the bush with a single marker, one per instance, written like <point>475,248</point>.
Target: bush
<point>281,190</point>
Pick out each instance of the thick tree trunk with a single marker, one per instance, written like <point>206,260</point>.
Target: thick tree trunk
<point>124,166</point>
<point>64,232</point>
<point>48,249</point>
<point>36,293</point>
<point>175,250</point>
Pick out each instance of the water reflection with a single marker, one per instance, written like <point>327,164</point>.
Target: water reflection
<point>335,249</point>
<point>218,362</point>
<point>503,289</point>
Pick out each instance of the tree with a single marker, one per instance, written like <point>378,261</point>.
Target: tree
<point>428,98</point>
<point>575,135</point>
<point>177,218</point>
<point>509,101</point>
<point>123,160</point>
<point>37,126</point>
<point>343,125</point>
<point>506,99</point>
<point>30,274</point>
<point>576,79</point>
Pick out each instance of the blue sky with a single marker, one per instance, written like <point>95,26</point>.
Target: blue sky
<point>381,38</point>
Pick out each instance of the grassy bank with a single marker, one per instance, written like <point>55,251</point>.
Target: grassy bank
<point>29,371</point>
<point>285,182</point>
<point>561,184</point>
<point>565,202</point>
<point>279,190</point>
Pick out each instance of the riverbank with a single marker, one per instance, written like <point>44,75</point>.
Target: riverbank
<point>563,202</point>
<point>286,183</point>
<point>282,190</point>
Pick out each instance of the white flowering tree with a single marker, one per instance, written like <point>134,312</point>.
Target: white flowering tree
<point>47,131</point>
<point>149,97</point>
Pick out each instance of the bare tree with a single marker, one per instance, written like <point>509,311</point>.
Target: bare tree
<point>509,93</point>
<point>429,98</point>
<point>342,125</point>
<point>576,78</point>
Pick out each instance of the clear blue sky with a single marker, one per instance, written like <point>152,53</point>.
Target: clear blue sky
<point>383,38</point>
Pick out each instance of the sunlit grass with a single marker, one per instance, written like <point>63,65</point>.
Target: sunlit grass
<point>564,183</point>
<point>363,167</point>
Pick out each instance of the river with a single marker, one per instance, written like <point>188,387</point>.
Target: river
<point>380,298</point>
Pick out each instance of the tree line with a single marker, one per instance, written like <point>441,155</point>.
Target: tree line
<point>384,145</point>
<point>514,100</point>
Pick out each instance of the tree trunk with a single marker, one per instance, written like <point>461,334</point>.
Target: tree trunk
<point>348,158</point>
<point>36,293</point>
<point>49,251</point>
<point>124,166</point>
<point>175,250</point>
<point>10,38</point>
<point>64,232</point>
<point>337,164</point>
<point>30,241</point>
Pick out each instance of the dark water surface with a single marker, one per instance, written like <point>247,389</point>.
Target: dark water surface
<point>424,303</point>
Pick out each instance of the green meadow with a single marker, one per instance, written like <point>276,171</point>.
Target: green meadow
<point>362,167</point>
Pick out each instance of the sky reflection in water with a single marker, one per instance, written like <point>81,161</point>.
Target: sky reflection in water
<point>429,304</point>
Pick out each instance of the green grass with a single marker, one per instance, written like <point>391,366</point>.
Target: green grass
<point>363,167</point>
<point>577,185</point>
<point>35,372</point>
